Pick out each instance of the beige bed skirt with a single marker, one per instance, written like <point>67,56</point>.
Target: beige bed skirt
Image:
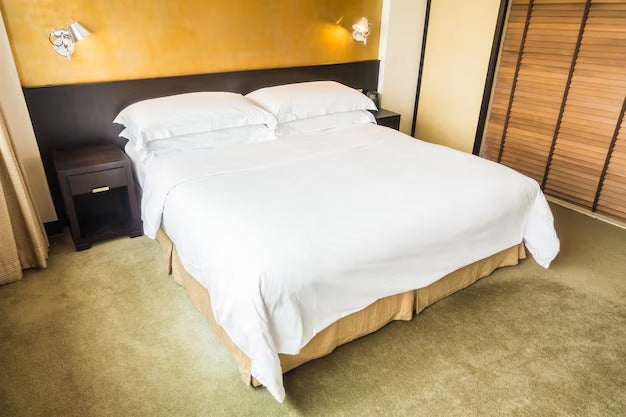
<point>396,307</point>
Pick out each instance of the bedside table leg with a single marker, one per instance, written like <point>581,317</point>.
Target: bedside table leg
<point>82,246</point>
<point>136,229</point>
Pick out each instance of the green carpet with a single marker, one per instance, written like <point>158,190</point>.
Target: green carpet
<point>105,332</point>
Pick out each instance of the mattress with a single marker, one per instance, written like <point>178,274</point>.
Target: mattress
<point>292,235</point>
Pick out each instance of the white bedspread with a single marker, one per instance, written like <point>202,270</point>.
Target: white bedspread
<point>291,235</point>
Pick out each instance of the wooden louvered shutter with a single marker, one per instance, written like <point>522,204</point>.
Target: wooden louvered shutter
<point>511,49</point>
<point>558,104</point>
<point>611,199</point>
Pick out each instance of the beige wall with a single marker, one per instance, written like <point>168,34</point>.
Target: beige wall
<point>458,45</point>
<point>400,49</point>
<point>14,109</point>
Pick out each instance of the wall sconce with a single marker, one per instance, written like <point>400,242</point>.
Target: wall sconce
<point>63,40</point>
<point>361,30</point>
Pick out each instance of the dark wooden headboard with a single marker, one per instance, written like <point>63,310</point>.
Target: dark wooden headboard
<point>72,115</point>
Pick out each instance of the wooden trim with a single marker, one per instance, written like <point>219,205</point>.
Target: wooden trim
<point>578,209</point>
<point>515,75</point>
<point>608,155</point>
<point>491,72</point>
<point>421,69</point>
<point>557,127</point>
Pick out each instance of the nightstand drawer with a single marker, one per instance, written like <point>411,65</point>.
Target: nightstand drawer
<point>98,181</point>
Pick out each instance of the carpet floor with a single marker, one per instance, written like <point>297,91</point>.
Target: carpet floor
<point>105,332</point>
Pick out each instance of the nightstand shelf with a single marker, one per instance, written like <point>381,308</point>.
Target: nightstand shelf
<point>387,118</point>
<point>98,193</point>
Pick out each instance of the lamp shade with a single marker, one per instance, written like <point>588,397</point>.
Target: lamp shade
<point>362,25</point>
<point>77,32</point>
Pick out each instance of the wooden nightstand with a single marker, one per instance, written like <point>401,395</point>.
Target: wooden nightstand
<point>98,193</point>
<point>387,118</point>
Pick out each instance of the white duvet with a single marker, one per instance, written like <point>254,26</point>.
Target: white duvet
<point>291,235</point>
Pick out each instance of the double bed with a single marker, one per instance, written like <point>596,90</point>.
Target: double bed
<point>294,246</point>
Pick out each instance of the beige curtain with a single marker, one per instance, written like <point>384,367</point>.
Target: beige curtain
<point>23,241</point>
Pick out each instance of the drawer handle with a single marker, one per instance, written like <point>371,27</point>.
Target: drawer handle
<point>100,189</point>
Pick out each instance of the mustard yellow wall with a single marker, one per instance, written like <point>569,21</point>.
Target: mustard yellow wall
<point>458,46</point>
<point>154,38</point>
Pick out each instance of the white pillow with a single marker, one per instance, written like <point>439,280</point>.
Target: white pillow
<point>325,122</point>
<point>185,114</point>
<point>212,139</point>
<point>300,101</point>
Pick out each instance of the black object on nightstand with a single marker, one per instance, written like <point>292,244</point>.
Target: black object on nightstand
<point>98,193</point>
<point>387,118</point>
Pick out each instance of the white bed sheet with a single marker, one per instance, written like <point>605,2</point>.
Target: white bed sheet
<point>139,161</point>
<point>290,236</point>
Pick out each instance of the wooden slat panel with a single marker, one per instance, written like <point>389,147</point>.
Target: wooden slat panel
<point>559,98</point>
<point>544,68</point>
<point>504,80</point>
<point>515,28</point>
<point>593,108</point>
<point>612,198</point>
